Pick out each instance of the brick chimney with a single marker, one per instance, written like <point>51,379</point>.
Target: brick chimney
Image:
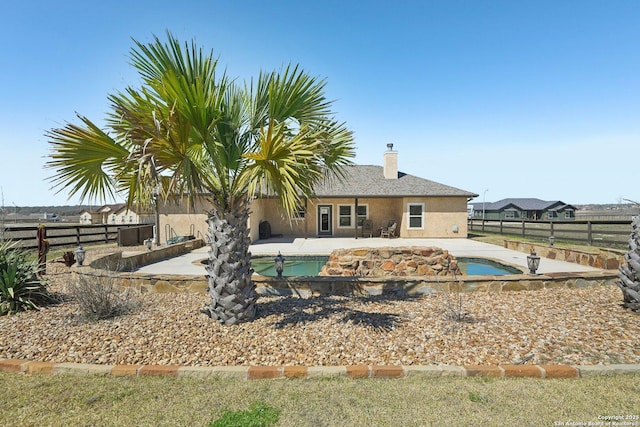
<point>390,166</point>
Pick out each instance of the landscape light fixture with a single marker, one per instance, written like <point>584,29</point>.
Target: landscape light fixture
<point>279,260</point>
<point>80,254</point>
<point>533,262</point>
<point>552,240</point>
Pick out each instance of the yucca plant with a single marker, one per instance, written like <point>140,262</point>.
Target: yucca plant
<point>20,286</point>
<point>630,272</point>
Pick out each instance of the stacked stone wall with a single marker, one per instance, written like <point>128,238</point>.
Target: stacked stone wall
<point>391,262</point>
<point>604,259</point>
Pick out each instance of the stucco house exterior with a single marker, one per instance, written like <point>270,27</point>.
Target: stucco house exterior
<point>367,199</point>
<point>525,208</point>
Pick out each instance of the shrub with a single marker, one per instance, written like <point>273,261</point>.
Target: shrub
<point>101,298</point>
<point>20,286</point>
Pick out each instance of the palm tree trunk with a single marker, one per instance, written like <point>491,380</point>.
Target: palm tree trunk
<point>630,272</point>
<point>229,270</point>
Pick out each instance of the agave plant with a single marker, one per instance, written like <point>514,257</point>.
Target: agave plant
<point>20,286</point>
<point>629,274</point>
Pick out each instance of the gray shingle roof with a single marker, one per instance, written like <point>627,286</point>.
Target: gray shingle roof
<point>369,181</point>
<point>523,204</point>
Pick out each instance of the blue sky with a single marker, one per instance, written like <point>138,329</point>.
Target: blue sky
<point>501,98</point>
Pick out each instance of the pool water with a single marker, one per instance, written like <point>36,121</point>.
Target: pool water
<point>311,266</point>
<point>293,265</point>
<point>485,267</point>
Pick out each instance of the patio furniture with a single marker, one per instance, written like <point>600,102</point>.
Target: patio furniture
<point>366,229</point>
<point>390,231</point>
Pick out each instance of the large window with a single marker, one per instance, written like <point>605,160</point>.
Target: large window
<point>415,211</point>
<point>344,216</point>
<point>569,214</point>
<point>552,214</point>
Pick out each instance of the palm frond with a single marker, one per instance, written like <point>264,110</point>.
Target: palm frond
<point>84,159</point>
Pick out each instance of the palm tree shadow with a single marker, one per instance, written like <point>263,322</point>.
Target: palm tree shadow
<point>295,311</point>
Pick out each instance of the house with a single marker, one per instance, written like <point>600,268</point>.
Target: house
<point>366,200</point>
<point>115,214</point>
<point>526,208</point>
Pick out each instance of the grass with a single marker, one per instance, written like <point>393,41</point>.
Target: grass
<point>157,401</point>
<point>498,239</point>
<point>259,415</point>
<point>58,251</point>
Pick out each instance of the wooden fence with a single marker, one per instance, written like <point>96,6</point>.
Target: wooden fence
<point>610,234</point>
<point>67,234</point>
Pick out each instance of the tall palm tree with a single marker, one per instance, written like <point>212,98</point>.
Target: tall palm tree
<point>188,131</point>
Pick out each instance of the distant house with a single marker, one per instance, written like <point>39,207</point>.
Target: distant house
<point>517,209</point>
<point>366,200</point>
<point>114,214</point>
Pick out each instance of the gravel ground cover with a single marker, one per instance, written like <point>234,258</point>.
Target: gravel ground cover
<point>571,326</point>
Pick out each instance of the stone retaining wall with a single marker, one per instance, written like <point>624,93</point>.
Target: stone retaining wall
<point>117,269</point>
<point>607,259</point>
<point>409,285</point>
<point>119,262</point>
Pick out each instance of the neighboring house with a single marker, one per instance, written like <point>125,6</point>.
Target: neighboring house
<point>362,203</point>
<point>115,214</point>
<point>86,217</point>
<point>518,209</point>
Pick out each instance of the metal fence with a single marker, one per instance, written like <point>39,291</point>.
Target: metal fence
<point>610,234</point>
<point>66,234</point>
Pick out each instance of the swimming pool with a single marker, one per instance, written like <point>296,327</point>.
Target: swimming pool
<point>485,267</point>
<point>293,266</point>
<point>311,266</point>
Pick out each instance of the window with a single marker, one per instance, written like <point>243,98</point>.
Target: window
<point>509,214</point>
<point>344,216</point>
<point>301,211</point>
<point>552,214</point>
<point>569,214</point>
<point>415,211</point>
<point>122,219</point>
<point>363,213</point>
<point>130,218</point>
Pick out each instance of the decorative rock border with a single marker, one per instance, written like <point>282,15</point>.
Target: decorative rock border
<point>351,372</point>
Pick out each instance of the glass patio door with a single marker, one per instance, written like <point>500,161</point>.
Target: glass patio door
<point>325,220</point>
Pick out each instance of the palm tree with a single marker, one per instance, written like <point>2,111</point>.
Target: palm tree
<point>188,131</point>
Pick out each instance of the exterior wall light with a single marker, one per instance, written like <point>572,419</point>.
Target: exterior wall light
<point>80,254</point>
<point>279,260</point>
